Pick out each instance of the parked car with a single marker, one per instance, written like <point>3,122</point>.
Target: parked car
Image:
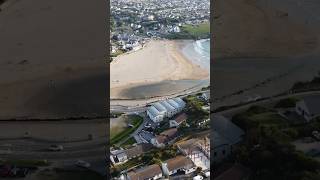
<point>55,148</point>
<point>83,164</point>
<point>147,125</point>
<point>197,177</point>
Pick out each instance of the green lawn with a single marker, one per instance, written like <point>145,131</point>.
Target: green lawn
<point>136,121</point>
<point>269,118</point>
<point>197,30</point>
<point>129,142</point>
<point>200,31</point>
<point>129,164</point>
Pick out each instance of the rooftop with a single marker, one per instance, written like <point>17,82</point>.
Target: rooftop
<point>138,150</point>
<point>181,117</point>
<point>179,162</point>
<point>169,132</point>
<point>313,104</point>
<point>145,173</point>
<point>227,129</point>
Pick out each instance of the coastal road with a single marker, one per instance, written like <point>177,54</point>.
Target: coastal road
<point>82,140</point>
<point>235,110</point>
<point>121,106</point>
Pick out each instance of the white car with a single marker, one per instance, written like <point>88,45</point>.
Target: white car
<point>198,177</point>
<point>55,148</point>
<point>147,125</point>
<point>83,164</point>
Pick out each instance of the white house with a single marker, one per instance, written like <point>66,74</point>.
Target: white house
<point>154,114</point>
<point>180,102</point>
<point>309,107</point>
<point>170,109</point>
<point>178,164</point>
<point>160,108</point>
<point>166,108</point>
<point>151,172</point>
<point>118,156</point>
<point>174,104</point>
<point>176,122</point>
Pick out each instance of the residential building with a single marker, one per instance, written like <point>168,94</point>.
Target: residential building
<point>118,156</point>
<point>198,150</point>
<point>160,108</point>
<point>206,96</point>
<point>180,102</point>
<point>225,136</point>
<point>165,137</point>
<point>138,150</point>
<point>178,164</point>
<point>151,172</point>
<point>154,114</point>
<point>309,107</point>
<point>171,111</point>
<point>227,129</point>
<point>178,120</point>
<point>167,108</point>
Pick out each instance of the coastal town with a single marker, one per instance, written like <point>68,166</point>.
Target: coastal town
<point>134,23</point>
<point>170,139</point>
<point>158,134</point>
<point>270,130</point>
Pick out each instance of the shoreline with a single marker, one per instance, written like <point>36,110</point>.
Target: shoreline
<point>154,60</point>
<point>259,62</point>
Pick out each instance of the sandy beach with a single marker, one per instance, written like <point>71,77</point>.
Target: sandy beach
<point>160,61</point>
<point>263,47</point>
<point>52,61</point>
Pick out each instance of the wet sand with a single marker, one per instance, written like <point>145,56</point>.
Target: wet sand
<point>52,61</point>
<point>274,46</point>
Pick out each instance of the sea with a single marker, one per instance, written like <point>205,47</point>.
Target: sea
<point>198,52</point>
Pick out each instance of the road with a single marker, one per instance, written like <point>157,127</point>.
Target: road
<point>235,110</point>
<point>72,135</point>
<point>139,106</point>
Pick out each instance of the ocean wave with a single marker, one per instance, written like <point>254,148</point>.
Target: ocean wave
<point>202,47</point>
